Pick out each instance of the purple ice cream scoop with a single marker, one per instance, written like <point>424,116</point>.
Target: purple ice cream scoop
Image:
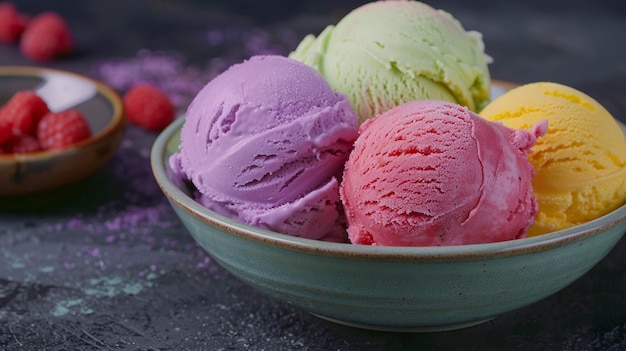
<point>264,143</point>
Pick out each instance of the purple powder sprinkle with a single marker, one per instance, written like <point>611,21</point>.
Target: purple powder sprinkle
<point>204,263</point>
<point>74,224</point>
<point>131,221</point>
<point>166,71</point>
<point>215,37</point>
<point>145,153</point>
<point>93,252</point>
<point>113,224</point>
<point>256,42</point>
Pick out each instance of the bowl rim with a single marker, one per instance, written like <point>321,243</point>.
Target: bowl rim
<point>473,252</point>
<point>117,121</point>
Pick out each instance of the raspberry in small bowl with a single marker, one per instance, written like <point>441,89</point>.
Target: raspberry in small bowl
<point>56,128</point>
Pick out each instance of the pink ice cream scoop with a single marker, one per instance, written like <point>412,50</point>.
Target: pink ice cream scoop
<point>431,173</point>
<point>264,143</point>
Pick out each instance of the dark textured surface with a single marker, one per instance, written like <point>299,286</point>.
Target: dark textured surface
<point>112,268</point>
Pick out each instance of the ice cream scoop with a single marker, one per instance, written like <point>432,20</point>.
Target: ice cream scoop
<point>263,143</point>
<point>580,163</point>
<point>386,53</point>
<point>433,173</point>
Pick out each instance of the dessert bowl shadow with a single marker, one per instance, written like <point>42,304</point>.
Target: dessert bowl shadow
<point>390,288</point>
<point>29,178</point>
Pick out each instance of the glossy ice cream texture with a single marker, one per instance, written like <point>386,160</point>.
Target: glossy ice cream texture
<point>580,164</point>
<point>386,53</point>
<point>264,142</point>
<point>433,173</point>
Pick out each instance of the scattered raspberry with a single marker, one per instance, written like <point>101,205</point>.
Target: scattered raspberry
<point>47,37</point>
<point>148,107</point>
<point>12,23</point>
<point>60,129</point>
<point>21,144</point>
<point>6,130</point>
<point>21,114</point>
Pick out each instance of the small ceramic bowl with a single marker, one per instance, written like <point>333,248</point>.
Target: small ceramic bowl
<point>30,174</point>
<point>391,288</point>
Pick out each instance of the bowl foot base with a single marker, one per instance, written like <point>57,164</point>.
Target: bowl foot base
<point>406,329</point>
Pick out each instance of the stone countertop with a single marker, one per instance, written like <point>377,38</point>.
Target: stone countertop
<point>115,269</point>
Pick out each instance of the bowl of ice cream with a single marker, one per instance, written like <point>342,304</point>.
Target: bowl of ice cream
<point>220,188</point>
<point>390,288</point>
<point>360,184</point>
<point>29,177</point>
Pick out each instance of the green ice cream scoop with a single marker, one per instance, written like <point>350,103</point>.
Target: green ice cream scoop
<point>386,53</point>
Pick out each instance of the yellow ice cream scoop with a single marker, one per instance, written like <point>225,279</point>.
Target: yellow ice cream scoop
<point>580,163</point>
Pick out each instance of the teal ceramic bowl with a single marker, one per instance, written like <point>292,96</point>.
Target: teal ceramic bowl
<point>391,288</point>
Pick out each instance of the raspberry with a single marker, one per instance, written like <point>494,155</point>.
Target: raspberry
<point>21,114</point>
<point>12,23</point>
<point>61,129</point>
<point>6,130</point>
<point>21,144</point>
<point>47,37</point>
<point>148,107</point>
